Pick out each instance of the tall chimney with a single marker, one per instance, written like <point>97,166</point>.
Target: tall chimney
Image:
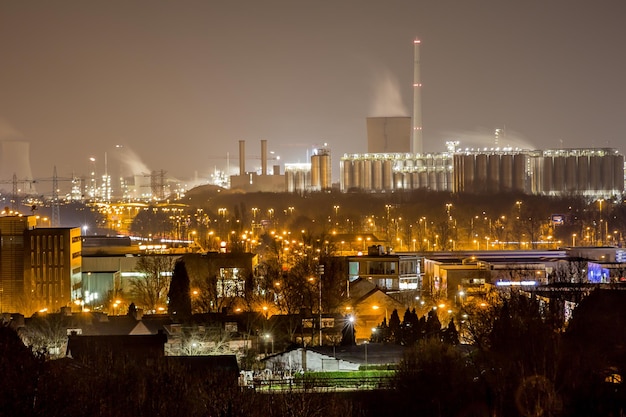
<point>416,131</point>
<point>263,157</point>
<point>242,157</point>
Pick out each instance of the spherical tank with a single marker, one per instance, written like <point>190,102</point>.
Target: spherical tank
<point>519,172</point>
<point>388,175</point>
<point>595,170</point>
<point>493,173</point>
<point>377,174</point>
<point>506,172</point>
<point>583,172</point>
<point>571,173</point>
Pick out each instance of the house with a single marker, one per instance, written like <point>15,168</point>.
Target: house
<point>141,350</point>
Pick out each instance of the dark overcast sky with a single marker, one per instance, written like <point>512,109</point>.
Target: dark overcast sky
<point>180,82</point>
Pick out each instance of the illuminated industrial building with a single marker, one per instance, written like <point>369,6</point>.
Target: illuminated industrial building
<point>40,268</point>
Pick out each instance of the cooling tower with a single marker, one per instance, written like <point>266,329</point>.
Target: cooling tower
<point>388,134</point>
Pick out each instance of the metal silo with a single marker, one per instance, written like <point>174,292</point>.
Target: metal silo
<point>595,173</point>
<point>377,175</point>
<point>423,179</point>
<point>346,170</point>
<point>558,181</point>
<point>618,172</point>
<point>432,180</point>
<point>519,172</point>
<point>415,180</point>
<point>441,180</point>
<point>481,173</point>
<point>388,175</point>
<point>493,173</point>
<point>469,168</point>
<point>367,175</point>
<point>357,173</point>
<point>506,172</point>
<point>449,180</point>
<point>571,173</point>
<point>583,172</point>
<point>289,181</point>
<point>547,170</point>
<point>607,172</point>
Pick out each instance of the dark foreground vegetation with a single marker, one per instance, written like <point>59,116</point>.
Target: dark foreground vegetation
<point>520,363</point>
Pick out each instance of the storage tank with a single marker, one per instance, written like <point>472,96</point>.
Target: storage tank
<point>547,173</point>
<point>367,175</point>
<point>415,180</point>
<point>519,172</point>
<point>357,173</point>
<point>315,173</point>
<point>582,169</point>
<point>432,180</point>
<point>607,173</point>
<point>493,174</point>
<point>595,173</point>
<point>377,175</point>
<point>449,180</point>
<point>388,175</point>
<point>618,172</point>
<point>468,177</point>
<point>558,181</point>
<point>290,181</point>
<point>506,172</point>
<point>441,180</point>
<point>481,173</point>
<point>571,171</point>
<point>398,180</point>
<point>346,169</point>
<point>423,179</point>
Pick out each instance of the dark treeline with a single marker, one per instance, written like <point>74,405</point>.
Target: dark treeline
<point>519,362</point>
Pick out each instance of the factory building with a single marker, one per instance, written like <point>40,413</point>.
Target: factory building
<point>253,181</point>
<point>40,268</point>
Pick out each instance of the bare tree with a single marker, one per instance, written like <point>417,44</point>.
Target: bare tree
<point>150,291</point>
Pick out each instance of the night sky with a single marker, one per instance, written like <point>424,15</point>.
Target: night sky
<point>178,83</point>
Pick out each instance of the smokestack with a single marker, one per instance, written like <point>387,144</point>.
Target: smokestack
<point>263,157</point>
<point>416,131</point>
<point>242,157</point>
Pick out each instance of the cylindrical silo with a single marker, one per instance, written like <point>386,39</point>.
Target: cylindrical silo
<point>618,172</point>
<point>493,175</point>
<point>289,181</point>
<point>469,169</point>
<point>358,173</point>
<point>607,172</point>
<point>432,180</point>
<point>346,169</point>
<point>481,173</point>
<point>377,175</point>
<point>558,181</point>
<point>388,175</point>
<point>506,172</point>
<point>519,172</point>
<point>367,175</point>
<point>441,180</point>
<point>595,173</point>
<point>583,172</point>
<point>571,171</point>
<point>423,179</point>
<point>547,174</point>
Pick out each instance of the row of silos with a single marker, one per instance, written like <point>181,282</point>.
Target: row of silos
<point>477,172</point>
<point>583,172</point>
<point>383,172</point>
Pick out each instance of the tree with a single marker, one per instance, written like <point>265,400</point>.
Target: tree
<point>179,295</point>
<point>150,291</point>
